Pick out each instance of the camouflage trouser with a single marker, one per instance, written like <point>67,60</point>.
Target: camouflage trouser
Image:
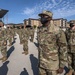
<point>46,72</point>
<point>20,37</point>
<point>32,38</point>
<point>3,51</point>
<point>13,37</point>
<point>74,61</point>
<point>10,40</point>
<point>25,45</point>
<point>3,48</point>
<point>70,61</point>
<point>63,57</point>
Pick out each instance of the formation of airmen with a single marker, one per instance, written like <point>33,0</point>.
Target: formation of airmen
<point>7,35</point>
<point>56,47</point>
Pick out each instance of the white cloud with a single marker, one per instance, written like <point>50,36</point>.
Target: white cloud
<point>66,10</point>
<point>63,13</point>
<point>60,9</point>
<point>28,11</point>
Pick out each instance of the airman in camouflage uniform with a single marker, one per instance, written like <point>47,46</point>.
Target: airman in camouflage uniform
<point>52,46</point>
<point>3,44</point>
<point>25,38</point>
<point>20,34</point>
<point>10,35</point>
<point>70,35</point>
<point>13,32</point>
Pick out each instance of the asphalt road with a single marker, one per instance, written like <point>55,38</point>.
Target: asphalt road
<point>18,63</point>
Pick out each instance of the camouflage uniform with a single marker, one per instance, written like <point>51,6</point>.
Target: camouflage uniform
<point>25,40</point>
<point>13,32</point>
<point>70,34</point>
<point>29,31</point>
<point>10,36</point>
<point>3,44</point>
<point>52,49</point>
<point>20,31</point>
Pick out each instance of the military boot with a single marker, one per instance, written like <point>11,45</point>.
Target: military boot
<point>4,59</point>
<point>10,45</point>
<point>49,72</point>
<point>1,58</point>
<point>23,52</point>
<point>26,52</point>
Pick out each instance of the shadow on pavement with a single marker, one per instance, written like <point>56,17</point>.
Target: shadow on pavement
<point>4,68</point>
<point>10,51</point>
<point>34,64</point>
<point>36,44</point>
<point>14,41</point>
<point>24,72</point>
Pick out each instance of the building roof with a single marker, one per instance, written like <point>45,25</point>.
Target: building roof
<point>31,19</point>
<point>3,12</point>
<point>72,20</point>
<point>60,19</point>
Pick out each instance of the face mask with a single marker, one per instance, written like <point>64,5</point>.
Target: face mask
<point>44,20</point>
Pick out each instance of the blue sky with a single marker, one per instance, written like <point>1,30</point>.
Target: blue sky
<point>24,9</point>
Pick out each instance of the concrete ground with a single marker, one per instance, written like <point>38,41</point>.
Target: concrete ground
<point>18,63</point>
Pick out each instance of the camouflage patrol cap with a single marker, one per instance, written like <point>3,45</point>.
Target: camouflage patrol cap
<point>48,13</point>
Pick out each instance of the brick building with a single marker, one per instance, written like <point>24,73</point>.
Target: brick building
<point>60,22</point>
<point>32,22</point>
<point>15,25</point>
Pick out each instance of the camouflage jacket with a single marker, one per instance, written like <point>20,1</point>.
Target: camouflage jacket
<point>50,40</point>
<point>9,33</point>
<point>13,32</point>
<point>32,32</point>
<point>3,37</point>
<point>25,34</point>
